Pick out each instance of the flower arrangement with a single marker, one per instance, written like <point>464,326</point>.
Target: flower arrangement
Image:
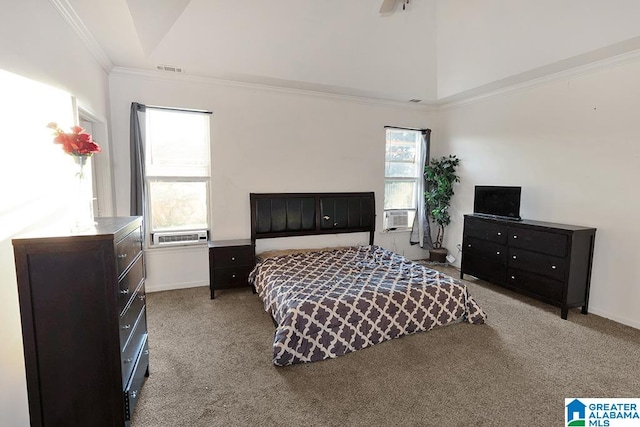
<point>81,146</point>
<point>76,143</point>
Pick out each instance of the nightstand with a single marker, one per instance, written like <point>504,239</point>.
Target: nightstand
<point>230,262</point>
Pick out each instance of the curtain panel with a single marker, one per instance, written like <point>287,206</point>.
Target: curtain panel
<point>136,136</point>
<point>421,230</point>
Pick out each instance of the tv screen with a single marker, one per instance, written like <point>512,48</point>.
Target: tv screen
<point>502,202</point>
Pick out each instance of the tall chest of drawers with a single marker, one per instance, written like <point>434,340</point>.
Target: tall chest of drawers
<point>550,262</point>
<point>84,327</point>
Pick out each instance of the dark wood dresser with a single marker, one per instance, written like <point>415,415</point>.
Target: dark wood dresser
<point>84,327</point>
<point>230,262</point>
<point>547,261</point>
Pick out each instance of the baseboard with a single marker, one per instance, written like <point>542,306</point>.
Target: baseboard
<point>150,287</point>
<point>615,318</point>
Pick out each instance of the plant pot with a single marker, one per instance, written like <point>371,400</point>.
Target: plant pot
<point>438,255</point>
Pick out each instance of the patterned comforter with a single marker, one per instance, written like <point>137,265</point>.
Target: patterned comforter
<point>327,304</point>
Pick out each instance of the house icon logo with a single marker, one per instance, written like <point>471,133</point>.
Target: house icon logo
<point>576,413</point>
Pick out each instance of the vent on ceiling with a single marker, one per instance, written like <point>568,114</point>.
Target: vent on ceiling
<point>170,68</point>
<point>415,100</point>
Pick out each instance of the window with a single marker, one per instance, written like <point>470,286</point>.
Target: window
<point>177,175</point>
<point>402,177</point>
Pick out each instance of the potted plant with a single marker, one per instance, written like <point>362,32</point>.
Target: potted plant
<point>440,175</point>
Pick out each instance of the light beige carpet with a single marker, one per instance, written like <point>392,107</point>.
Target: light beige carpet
<point>211,366</point>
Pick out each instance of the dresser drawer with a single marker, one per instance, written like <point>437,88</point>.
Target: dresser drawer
<point>127,249</point>
<point>130,315</point>
<point>542,287</point>
<point>132,348</point>
<point>489,250</point>
<point>483,268</point>
<point>232,256</point>
<point>128,284</point>
<point>537,263</point>
<point>485,230</point>
<point>132,389</point>
<point>538,241</point>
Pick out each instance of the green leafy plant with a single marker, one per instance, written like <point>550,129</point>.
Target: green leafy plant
<point>440,175</point>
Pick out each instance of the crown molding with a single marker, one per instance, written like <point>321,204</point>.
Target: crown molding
<point>524,81</point>
<point>514,84</point>
<point>69,14</point>
<point>163,76</point>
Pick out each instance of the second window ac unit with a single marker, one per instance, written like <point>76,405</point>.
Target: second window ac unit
<point>179,237</point>
<point>397,219</point>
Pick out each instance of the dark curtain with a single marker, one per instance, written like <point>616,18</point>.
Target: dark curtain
<point>137,123</point>
<point>421,230</point>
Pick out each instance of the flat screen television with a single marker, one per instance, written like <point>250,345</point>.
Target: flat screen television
<point>496,201</point>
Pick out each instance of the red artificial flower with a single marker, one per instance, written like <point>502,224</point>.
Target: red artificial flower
<point>76,143</point>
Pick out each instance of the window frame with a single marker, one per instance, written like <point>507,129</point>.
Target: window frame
<point>149,178</point>
<point>415,179</point>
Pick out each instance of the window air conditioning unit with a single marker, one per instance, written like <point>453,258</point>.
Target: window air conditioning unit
<point>397,219</point>
<point>179,238</point>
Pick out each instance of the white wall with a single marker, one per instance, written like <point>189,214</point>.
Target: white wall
<point>482,42</point>
<point>35,42</point>
<point>266,140</point>
<point>572,144</point>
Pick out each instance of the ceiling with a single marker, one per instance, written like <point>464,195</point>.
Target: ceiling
<point>337,46</point>
<point>345,46</point>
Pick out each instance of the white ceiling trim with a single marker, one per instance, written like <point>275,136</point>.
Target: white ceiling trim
<point>478,96</point>
<point>74,21</point>
<point>160,75</point>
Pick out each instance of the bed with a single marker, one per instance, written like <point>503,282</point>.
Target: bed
<point>330,302</point>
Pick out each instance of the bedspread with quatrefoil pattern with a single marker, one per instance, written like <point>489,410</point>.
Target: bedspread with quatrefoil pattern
<point>327,304</point>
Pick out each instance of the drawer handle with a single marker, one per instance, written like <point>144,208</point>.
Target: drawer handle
<point>514,257</point>
<point>129,360</point>
<point>513,277</point>
<point>122,256</point>
<point>499,233</point>
<point>553,267</point>
<point>233,258</point>
<point>515,236</point>
<point>469,245</point>
<point>498,253</point>
<point>126,327</point>
<point>134,394</point>
<point>326,217</point>
<point>124,291</point>
<point>233,276</point>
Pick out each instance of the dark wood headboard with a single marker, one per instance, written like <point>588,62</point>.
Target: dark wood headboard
<point>303,214</point>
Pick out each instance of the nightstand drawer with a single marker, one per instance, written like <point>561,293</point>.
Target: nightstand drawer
<point>231,276</point>
<point>232,256</point>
